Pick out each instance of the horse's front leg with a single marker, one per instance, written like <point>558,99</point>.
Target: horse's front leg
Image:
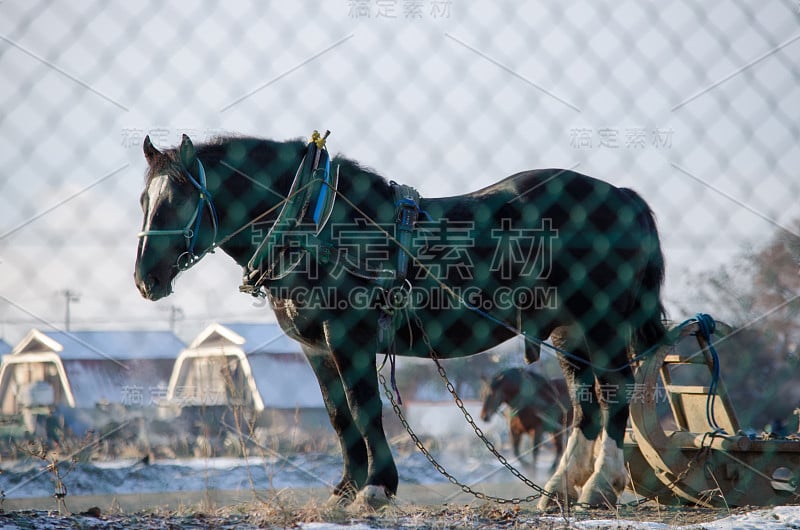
<point>354,450</point>
<point>536,442</point>
<point>515,430</point>
<point>356,366</point>
<point>609,478</point>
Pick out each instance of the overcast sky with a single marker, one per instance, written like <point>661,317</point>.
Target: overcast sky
<point>693,104</point>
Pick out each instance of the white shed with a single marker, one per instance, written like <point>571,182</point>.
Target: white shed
<point>84,368</point>
<point>251,364</point>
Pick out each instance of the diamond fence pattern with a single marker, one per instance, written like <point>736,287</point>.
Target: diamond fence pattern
<point>693,105</point>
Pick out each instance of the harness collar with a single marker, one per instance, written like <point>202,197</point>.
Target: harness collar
<point>306,211</point>
<point>310,201</point>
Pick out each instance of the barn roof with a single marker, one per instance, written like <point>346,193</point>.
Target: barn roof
<point>264,338</point>
<point>276,366</point>
<point>250,336</point>
<point>138,363</point>
<point>122,345</point>
<point>285,384</point>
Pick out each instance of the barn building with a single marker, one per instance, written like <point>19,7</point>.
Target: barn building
<point>86,370</point>
<point>249,368</point>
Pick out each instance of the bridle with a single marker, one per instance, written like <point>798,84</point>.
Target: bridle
<point>190,232</point>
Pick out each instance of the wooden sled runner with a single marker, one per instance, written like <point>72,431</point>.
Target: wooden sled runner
<point>691,463</point>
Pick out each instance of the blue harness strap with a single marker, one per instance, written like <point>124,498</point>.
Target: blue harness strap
<point>312,182</point>
<point>315,183</point>
<point>205,200</point>
<point>406,201</point>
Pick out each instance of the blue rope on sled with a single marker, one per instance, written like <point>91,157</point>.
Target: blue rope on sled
<point>706,327</point>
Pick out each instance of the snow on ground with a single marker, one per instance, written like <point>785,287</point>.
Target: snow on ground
<point>777,518</point>
<point>27,479</point>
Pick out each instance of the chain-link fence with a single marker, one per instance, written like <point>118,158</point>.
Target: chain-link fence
<point>693,105</point>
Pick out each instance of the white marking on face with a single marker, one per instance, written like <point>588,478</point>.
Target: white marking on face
<point>155,188</point>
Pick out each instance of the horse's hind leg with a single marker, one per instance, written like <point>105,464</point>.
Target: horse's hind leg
<point>609,477</point>
<point>609,349</point>
<point>575,466</point>
<point>354,450</point>
<point>516,438</point>
<point>558,444</point>
<point>536,441</point>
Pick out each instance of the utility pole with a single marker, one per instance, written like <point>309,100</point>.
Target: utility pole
<point>69,297</point>
<point>175,314</point>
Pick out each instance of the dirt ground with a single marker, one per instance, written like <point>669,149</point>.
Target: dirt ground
<point>256,516</point>
<point>292,508</point>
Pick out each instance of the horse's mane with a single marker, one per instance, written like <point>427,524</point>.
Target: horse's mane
<point>216,147</point>
<point>515,374</point>
<point>261,151</point>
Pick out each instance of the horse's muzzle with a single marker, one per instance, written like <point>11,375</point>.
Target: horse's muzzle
<point>151,288</point>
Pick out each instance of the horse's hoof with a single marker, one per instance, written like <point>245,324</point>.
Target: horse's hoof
<point>597,500</point>
<point>593,496</point>
<point>371,498</point>
<point>343,498</point>
<point>602,489</point>
<point>339,501</point>
<point>545,503</point>
<point>552,503</point>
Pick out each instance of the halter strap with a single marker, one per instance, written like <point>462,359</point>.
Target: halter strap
<point>205,199</point>
<point>192,228</point>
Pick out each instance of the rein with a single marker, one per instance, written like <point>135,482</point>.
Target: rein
<point>190,232</point>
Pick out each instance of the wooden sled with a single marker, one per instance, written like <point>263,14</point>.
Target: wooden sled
<point>689,463</point>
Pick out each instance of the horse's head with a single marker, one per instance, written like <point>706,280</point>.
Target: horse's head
<point>503,388</point>
<point>180,222</point>
<point>492,395</point>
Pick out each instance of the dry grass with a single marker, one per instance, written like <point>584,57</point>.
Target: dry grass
<point>287,510</point>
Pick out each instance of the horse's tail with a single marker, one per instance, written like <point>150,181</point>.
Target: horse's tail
<point>648,312</point>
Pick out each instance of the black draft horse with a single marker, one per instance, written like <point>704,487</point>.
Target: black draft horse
<point>540,251</point>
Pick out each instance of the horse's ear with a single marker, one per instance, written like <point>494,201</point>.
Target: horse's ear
<point>150,151</point>
<point>187,153</point>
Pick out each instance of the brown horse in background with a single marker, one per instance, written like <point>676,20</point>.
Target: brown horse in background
<point>536,406</point>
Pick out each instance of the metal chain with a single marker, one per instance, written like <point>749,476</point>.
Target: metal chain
<point>439,467</point>
<point>489,445</point>
<point>478,432</point>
